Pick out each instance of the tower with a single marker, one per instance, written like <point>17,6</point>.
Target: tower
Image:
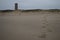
<point>16,6</point>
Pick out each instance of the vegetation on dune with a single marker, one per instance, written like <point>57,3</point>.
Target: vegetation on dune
<point>37,10</point>
<point>53,10</point>
<point>33,10</point>
<point>6,10</point>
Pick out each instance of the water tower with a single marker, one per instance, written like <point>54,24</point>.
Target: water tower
<point>16,6</point>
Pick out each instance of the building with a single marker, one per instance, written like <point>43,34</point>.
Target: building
<point>16,6</point>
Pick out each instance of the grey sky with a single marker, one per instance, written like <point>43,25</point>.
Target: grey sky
<point>30,4</point>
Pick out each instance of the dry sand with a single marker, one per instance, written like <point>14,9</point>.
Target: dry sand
<point>32,26</point>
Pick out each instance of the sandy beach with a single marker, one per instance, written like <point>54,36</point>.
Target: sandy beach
<point>30,26</point>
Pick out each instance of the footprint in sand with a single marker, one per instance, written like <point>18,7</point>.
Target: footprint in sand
<point>43,26</point>
<point>42,35</point>
<point>49,30</point>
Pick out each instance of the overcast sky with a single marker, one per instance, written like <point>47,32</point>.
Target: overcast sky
<point>30,4</point>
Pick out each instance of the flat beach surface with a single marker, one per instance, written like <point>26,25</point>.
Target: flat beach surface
<point>31,26</point>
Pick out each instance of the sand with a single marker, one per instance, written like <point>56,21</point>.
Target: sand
<point>32,26</point>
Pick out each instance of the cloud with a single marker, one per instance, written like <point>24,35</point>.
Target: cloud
<point>30,4</point>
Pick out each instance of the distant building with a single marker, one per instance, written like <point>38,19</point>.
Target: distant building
<point>16,6</point>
